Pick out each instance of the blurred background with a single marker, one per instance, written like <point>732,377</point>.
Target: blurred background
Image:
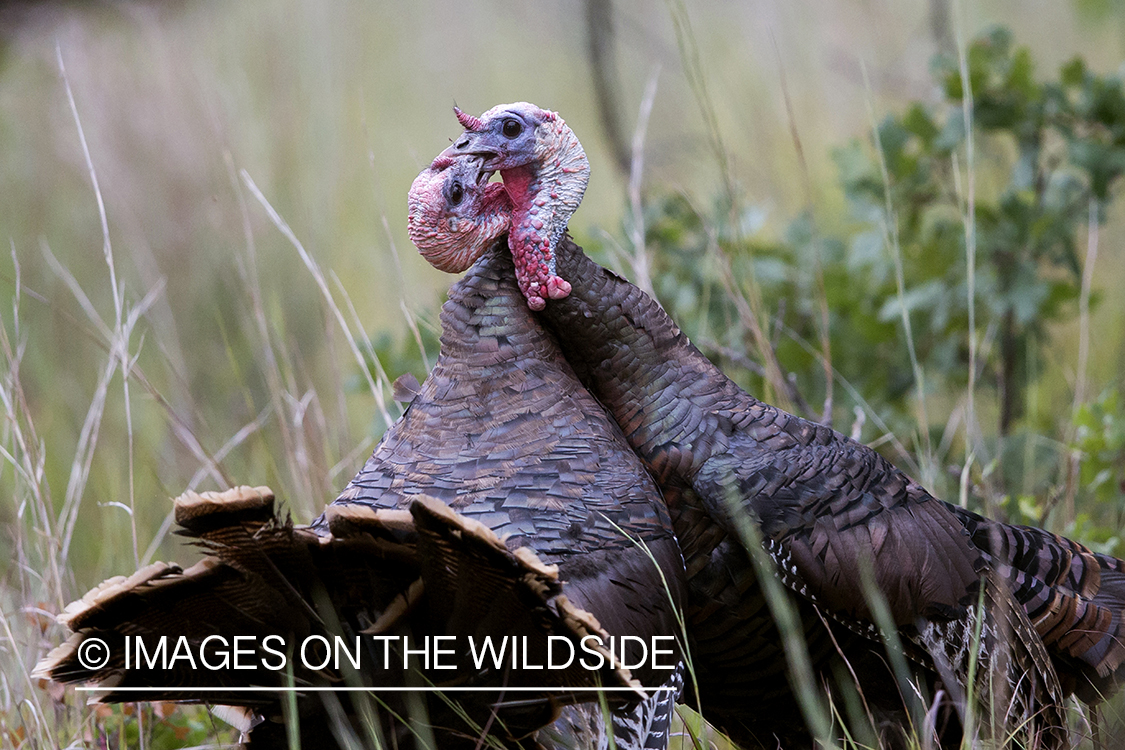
<point>206,278</point>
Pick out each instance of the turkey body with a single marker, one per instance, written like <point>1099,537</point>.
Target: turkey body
<point>828,509</point>
<point>505,434</point>
<point>500,441</point>
<point>994,611</point>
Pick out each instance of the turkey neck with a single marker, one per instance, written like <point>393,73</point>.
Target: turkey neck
<point>674,406</point>
<point>543,200</point>
<point>544,195</point>
<point>483,305</point>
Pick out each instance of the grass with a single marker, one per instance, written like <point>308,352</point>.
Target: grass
<point>200,232</point>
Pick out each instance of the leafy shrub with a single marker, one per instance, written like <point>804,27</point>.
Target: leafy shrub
<point>1047,157</point>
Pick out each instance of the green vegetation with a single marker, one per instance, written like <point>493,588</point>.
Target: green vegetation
<point>893,288</point>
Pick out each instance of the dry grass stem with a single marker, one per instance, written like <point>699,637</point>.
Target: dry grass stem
<point>377,389</point>
<point>639,259</point>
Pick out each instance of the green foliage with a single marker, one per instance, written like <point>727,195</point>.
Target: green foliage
<point>1050,148</point>
<point>1101,439</point>
<point>1100,442</point>
<point>1055,151</point>
<point>166,726</point>
<point>1100,11</point>
<point>1047,159</point>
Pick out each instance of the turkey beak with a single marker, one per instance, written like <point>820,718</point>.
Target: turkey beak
<point>483,175</point>
<point>473,144</point>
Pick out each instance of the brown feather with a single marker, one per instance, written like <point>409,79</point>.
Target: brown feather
<point>387,569</point>
<point>827,506</point>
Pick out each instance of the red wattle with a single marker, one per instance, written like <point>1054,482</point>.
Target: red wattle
<point>531,249</point>
<point>557,287</point>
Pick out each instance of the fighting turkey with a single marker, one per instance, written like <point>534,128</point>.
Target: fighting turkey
<point>364,573</point>
<point>828,508</point>
<point>503,431</point>
<point>738,661</point>
<point>504,435</point>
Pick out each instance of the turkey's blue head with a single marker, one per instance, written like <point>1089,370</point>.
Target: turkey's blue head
<point>545,172</point>
<point>508,136</point>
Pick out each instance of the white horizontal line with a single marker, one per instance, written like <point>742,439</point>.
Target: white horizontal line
<point>324,689</point>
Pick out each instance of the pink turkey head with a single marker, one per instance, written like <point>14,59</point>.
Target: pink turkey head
<point>545,172</point>
<point>455,214</point>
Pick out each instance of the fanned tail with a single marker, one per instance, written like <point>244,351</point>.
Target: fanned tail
<point>426,570</point>
<point>1074,597</point>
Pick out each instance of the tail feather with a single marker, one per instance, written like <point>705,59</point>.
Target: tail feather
<point>1074,597</point>
<point>1033,695</point>
<point>427,571</point>
<point>1015,687</point>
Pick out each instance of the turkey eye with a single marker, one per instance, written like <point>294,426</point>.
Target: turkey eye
<point>512,128</point>
<point>456,193</point>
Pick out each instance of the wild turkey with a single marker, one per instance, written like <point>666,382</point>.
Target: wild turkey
<point>363,573</point>
<point>826,505</point>
<point>737,655</point>
<point>504,434</point>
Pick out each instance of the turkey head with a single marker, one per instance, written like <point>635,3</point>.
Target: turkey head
<point>545,172</point>
<point>455,214</point>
